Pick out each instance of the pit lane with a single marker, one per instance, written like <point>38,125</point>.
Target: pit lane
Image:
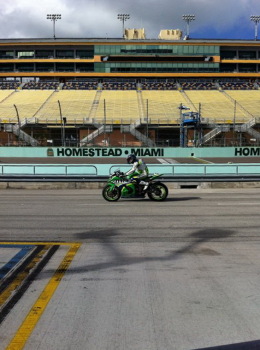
<point>182,274</point>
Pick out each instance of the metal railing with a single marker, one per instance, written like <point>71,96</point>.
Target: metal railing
<point>100,172</point>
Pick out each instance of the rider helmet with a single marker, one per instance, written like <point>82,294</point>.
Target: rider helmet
<point>131,159</point>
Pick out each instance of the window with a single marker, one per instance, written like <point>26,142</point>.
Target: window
<point>247,55</point>
<point>44,67</point>
<point>6,54</point>
<point>65,67</point>
<point>85,67</point>
<point>44,53</point>
<point>25,67</point>
<point>6,67</point>
<point>228,67</point>
<point>25,54</point>
<point>247,68</point>
<point>88,52</point>
<point>228,54</point>
<point>65,54</point>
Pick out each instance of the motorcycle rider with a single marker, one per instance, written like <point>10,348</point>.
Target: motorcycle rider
<point>139,172</point>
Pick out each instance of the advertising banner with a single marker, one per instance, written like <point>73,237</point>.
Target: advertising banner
<point>106,152</point>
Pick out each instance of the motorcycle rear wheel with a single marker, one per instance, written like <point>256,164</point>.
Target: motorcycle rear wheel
<point>158,192</point>
<point>111,195</point>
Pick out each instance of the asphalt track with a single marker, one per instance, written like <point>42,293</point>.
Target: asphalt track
<point>81,273</point>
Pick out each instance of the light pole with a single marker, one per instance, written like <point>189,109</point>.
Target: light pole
<point>188,19</point>
<point>53,18</point>
<point>63,121</point>
<point>256,20</point>
<point>123,17</point>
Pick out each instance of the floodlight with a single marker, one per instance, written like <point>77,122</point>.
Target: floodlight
<point>53,18</point>
<point>123,17</point>
<point>256,20</point>
<point>188,19</point>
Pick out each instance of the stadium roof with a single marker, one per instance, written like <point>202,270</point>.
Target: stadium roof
<point>122,40</point>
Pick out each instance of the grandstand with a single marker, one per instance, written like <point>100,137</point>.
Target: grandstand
<point>75,106</point>
<point>118,107</point>
<point>215,106</point>
<point>133,90</point>
<point>28,103</point>
<point>249,100</point>
<point>163,106</point>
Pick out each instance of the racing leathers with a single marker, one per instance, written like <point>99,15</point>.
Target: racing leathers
<point>138,173</point>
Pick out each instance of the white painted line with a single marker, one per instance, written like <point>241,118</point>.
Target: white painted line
<point>172,161</point>
<point>167,161</point>
<point>163,161</point>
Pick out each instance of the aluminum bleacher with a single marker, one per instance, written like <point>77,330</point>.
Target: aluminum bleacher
<point>27,101</point>
<point>121,107</point>
<point>125,102</point>
<point>248,99</point>
<point>163,106</point>
<point>216,106</point>
<point>75,106</point>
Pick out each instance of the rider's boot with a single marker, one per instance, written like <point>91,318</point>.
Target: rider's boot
<point>140,189</point>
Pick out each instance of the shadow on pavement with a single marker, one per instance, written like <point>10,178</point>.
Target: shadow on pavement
<point>119,257</point>
<point>169,199</point>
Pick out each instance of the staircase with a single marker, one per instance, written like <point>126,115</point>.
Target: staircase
<point>142,116</point>
<point>248,127</point>
<point>139,136</point>
<point>16,130</point>
<point>93,110</point>
<point>101,128</point>
<point>254,133</point>
<point>140,104</point>
<point>213,133</point>
<point>91,137</point>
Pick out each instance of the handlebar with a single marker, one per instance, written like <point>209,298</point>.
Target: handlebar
<point>119,173</point>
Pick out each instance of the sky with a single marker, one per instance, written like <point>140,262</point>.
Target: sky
<point>214,19</point>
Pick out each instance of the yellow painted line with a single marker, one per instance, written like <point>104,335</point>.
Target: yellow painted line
<point>6,293</point>
<point>30,321</point>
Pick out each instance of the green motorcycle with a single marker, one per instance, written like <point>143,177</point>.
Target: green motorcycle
<point>118,186</point>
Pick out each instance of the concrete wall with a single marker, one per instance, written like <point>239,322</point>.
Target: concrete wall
<point>93,152</point>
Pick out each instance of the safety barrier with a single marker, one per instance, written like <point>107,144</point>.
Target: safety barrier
<point>47,169</point>
<point>201,169</point>
<point>100,172</point>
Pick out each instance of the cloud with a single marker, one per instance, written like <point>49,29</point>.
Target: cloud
<point>98,18</point>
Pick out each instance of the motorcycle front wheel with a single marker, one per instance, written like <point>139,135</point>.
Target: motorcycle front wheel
<point>111,195</point>
<point>158,192</point>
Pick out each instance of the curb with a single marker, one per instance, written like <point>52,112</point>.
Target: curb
<point>100,185</point>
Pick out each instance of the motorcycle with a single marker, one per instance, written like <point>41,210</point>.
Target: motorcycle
<point>118,186</point>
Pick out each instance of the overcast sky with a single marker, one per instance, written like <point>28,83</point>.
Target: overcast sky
<point>215,19</point>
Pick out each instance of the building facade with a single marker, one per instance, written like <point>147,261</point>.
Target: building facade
<point>112,58</point>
